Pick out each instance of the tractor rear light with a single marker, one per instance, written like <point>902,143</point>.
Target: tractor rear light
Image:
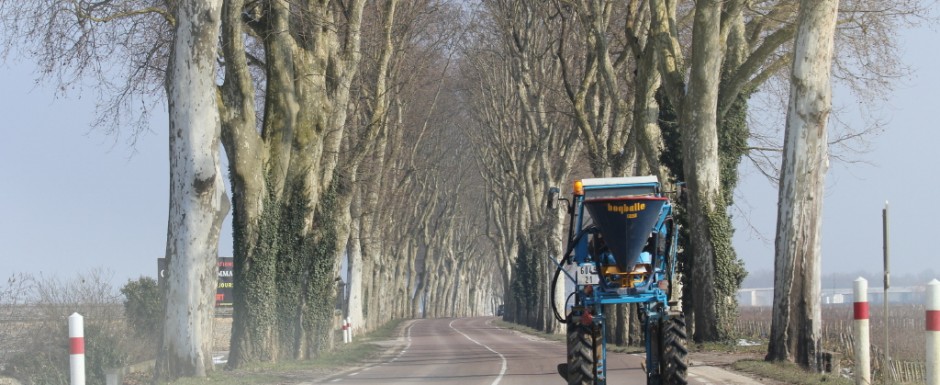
<point>587,318</point>
<point>664,285</point>
<point>578,188</point>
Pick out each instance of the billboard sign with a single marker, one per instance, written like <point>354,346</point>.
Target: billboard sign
<point>223,294</point>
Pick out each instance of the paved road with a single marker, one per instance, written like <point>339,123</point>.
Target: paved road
<point>472,351</point>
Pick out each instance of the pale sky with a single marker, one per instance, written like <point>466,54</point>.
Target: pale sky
<point>74,199</point>
<point>902,167</point>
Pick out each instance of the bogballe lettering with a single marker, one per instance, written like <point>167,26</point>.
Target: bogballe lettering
<point>625,208</point>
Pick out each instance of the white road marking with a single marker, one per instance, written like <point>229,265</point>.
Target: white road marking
<point>408,345</point>
<point>502,370</point>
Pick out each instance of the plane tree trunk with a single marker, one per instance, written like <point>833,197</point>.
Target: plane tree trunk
<point>795,328</point>
<point>197,194</point>
<point>283,174</point>
<point>713,264</point>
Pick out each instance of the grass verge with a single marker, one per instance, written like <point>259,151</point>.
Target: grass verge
<point>293,372</point>
<point>788,372</point>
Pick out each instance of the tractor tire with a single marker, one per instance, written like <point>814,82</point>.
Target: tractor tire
<point>583,349</point>
<point>674,359</point>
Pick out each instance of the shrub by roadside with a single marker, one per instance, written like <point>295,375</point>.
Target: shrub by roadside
<point>40,354</point>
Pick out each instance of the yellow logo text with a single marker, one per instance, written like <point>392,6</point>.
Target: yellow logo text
<point>625,208</point>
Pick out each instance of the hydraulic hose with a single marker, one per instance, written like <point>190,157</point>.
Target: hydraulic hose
<point>554,282</point>
<point>566,259</point>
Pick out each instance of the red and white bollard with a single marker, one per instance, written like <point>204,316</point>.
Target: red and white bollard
<point>76,349</point>
<point>862,330</point>
<point>346,331</point>
<point>933,332</point>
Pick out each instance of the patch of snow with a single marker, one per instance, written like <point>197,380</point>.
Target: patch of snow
<point>220,359</point>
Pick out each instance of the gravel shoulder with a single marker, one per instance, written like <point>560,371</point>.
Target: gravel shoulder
<point>723,361</point>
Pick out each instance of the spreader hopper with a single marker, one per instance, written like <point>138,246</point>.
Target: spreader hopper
<point>626,224</point>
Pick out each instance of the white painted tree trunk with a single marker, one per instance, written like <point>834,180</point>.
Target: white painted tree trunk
<point>795,330</point>
<point>354,273</point>
<point>558,248</point>
<point>197,194</point>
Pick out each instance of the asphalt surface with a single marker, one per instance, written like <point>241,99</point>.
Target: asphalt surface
<point>473,351</point>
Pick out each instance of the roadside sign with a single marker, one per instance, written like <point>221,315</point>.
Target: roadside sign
<point>226,280</point>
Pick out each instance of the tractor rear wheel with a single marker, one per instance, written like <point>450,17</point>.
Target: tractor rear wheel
<point>674,359</point>
<point>583,349</point>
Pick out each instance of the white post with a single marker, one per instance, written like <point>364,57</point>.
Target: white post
<point>346,331</point>
<point>349,327</point>
<point>76,349</point>
<point>933,332</point>
<point>862,338</point>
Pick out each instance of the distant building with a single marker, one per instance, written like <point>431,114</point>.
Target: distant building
<point>896,295</point>
<point>756,297</point>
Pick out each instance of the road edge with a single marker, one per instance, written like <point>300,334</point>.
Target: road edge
<point>394,348</point>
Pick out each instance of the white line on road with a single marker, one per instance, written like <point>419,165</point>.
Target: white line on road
<point>408,345</point>
<point>405,350</point>
<point>502,370</point>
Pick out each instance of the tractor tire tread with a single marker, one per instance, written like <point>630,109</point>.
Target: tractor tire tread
<point>675,353</point>
<point>581,352</point>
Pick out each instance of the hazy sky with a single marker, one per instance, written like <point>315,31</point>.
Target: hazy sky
<point>902,168</point>
<point>73,199</point>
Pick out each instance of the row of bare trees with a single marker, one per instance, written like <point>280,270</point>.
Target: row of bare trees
<point>611,88</point>
<point>357,157</point>
<point>342,144</point>
<point>523,143</point>
<point>415,140</point>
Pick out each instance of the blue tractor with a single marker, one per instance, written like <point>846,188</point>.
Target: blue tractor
<point>621,250</point>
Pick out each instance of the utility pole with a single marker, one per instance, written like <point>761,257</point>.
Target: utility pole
<point>888,367</point>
